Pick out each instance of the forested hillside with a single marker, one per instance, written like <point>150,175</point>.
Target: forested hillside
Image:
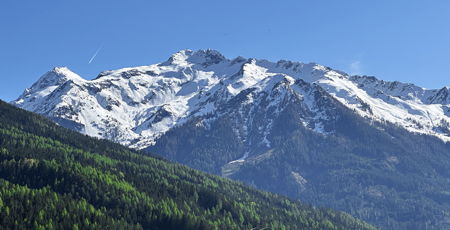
<point>53,178</point>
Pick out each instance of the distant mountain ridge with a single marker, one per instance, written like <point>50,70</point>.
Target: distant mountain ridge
<point>134,106</point>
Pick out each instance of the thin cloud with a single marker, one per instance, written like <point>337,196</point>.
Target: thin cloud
<point>95,54</point>
<point>356,68</point>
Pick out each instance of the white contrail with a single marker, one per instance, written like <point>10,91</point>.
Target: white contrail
<point>95,54</point>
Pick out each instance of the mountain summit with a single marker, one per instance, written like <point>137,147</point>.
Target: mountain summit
<point>135,106</point>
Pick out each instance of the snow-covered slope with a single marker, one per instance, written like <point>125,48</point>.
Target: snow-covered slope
<point>134,106</point>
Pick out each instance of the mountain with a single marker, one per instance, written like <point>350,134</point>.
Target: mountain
<point>54,178</point>
<point>135,106</point>
<point>378,150</point>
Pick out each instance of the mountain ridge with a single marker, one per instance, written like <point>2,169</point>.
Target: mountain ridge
<point>188,75</point>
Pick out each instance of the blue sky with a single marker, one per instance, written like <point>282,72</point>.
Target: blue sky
<point>408,41</point>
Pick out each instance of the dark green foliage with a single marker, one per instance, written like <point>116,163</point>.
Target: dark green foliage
<point>53,178</point>
<point>25,208</point>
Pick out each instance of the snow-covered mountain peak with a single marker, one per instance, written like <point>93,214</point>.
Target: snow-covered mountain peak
<point>136,105</point>
<point>57,76</point>
<point>47,83</point>
<point>64,70</point>
<point>202,57</point>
